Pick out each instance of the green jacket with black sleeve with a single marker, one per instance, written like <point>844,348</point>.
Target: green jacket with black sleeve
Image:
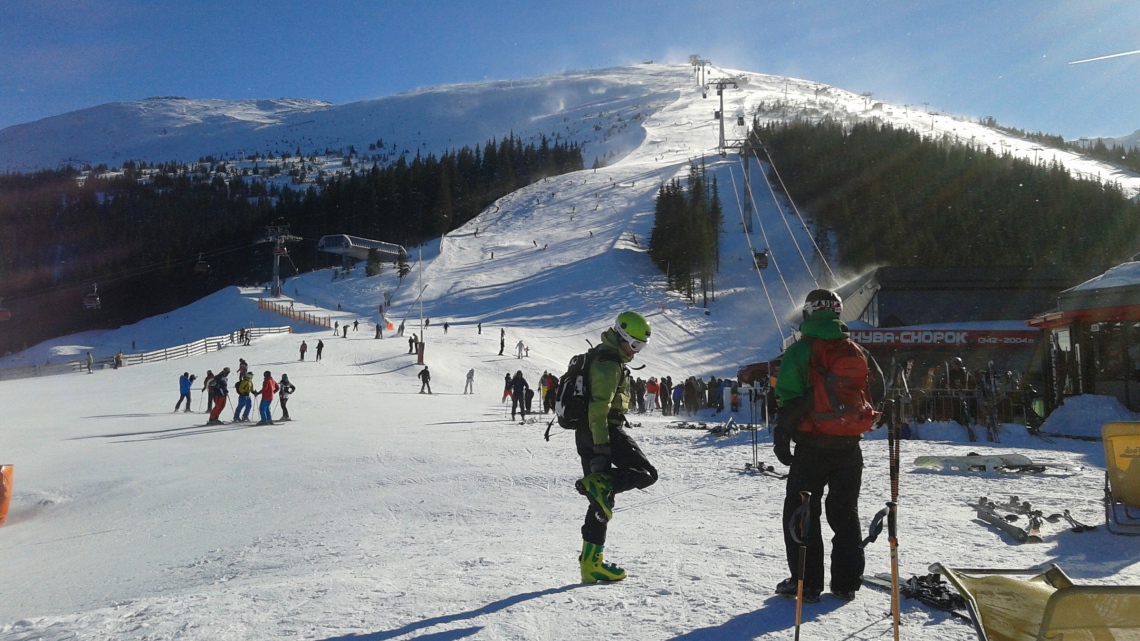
<point>609,387</point>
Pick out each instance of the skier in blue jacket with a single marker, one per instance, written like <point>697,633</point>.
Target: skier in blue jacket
<point>184,384</point>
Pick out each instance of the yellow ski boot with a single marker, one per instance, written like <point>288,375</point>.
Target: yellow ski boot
<point>594,568</point>
<point>600,490</point>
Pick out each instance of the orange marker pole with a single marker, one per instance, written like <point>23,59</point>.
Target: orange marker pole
<point>6,473</point>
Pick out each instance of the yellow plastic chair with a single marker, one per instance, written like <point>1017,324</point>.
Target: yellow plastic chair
<point>1122,477</point>
<point>1047,606</point>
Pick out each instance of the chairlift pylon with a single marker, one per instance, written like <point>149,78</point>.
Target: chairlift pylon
<point>91,301</point>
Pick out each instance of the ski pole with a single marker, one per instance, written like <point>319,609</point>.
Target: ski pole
<point>800,518</point>
<point>892,516</point>
<point>892,538</point>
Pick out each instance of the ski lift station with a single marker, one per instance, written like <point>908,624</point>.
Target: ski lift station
<point>358,248</point>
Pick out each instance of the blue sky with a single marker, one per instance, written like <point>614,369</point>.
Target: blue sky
<point>1002,59</point>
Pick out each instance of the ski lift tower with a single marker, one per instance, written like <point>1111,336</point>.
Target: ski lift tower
<point>278,234</point>
<point>721,84</point>
<point>699,65</point>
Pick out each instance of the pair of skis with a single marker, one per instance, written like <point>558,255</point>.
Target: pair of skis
<point>987,512</point>
<point>761,469</point>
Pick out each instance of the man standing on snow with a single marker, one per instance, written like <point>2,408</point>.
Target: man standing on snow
<point>219,390</point>
<point>244,388</point>
<point>268,388</point>
<point>822,459</point>
<point>425,378</point>
<point>286,389</point>
<point>519,348</point>
<point>502,340</point>
<point>320,348</point>
<point>519,388</point>
<point>184,384</point>
<point>304,348</point>
<point>469,387</point>
<point>611,460</point>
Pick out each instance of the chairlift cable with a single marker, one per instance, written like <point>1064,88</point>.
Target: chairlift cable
<point>792,202</point>
<point>763,232</point>
<point>121,274</point>
<point>784,218</point>
<point>771,305</point>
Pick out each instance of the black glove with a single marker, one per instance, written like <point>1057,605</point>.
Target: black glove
<point>600,462</point>
<point>782,446</point>
<point>787,421</point>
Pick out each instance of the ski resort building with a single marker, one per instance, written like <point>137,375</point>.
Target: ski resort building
<point>357,248</point>
<point>1091,341</point>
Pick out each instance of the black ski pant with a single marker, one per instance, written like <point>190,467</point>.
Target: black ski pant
<point>841,471</point>
<point>184,397</point>
<point>631,470</point>
<point>518,403</point>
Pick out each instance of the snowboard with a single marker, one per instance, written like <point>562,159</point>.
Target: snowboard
<point>979,463</point>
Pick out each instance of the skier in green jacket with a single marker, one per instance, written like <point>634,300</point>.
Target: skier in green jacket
<point>611,461</point>
<point>820,460</point>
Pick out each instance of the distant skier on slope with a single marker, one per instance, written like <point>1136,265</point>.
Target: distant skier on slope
<point>244,389</point>
<point>425,378</point>
<point>185,382</point>
<point>219,389</point>
<point>469,387</point>
<point>320,348</point>
<point>286,390</point>
<point>611,460</point>
<point>268,389</point>
<point>519,388</point>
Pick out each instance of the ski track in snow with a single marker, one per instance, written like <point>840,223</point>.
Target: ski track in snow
<point>380,513</point>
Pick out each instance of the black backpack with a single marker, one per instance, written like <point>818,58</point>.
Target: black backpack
<point>572,399</point>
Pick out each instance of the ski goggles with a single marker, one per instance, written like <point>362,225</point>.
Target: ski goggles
<point>634,344</point>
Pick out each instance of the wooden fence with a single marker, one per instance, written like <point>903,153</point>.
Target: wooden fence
<point>201,346</point>
<point>286,310</point>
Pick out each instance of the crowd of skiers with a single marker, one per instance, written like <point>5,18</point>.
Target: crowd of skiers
<point>685,398</point>
<point>216,388</point>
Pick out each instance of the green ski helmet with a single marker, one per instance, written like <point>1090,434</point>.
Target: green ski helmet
<point>633,329</point>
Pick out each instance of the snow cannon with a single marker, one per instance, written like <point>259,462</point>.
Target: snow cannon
<point>6,472</point>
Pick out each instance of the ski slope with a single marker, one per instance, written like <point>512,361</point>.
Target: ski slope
<point>381,513</point>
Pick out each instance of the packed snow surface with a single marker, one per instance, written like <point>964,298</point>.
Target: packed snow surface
<point>382,513</point>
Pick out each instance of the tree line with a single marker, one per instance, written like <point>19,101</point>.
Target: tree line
<point>892,196</point>
<point>685,240</point>
<point>138,232</point>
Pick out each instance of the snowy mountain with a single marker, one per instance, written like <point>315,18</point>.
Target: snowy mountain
<point>597,108</point>
<point>1131,141</point>
<point>381,513</point>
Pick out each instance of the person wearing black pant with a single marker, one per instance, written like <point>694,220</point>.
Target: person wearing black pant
<point>519,389</point>
<point>821,460</point>
<point>612,462</point>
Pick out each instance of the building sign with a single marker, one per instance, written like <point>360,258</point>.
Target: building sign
<point>943,338</point>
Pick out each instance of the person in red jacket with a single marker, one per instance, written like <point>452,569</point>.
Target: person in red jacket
<point>268,389</point>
